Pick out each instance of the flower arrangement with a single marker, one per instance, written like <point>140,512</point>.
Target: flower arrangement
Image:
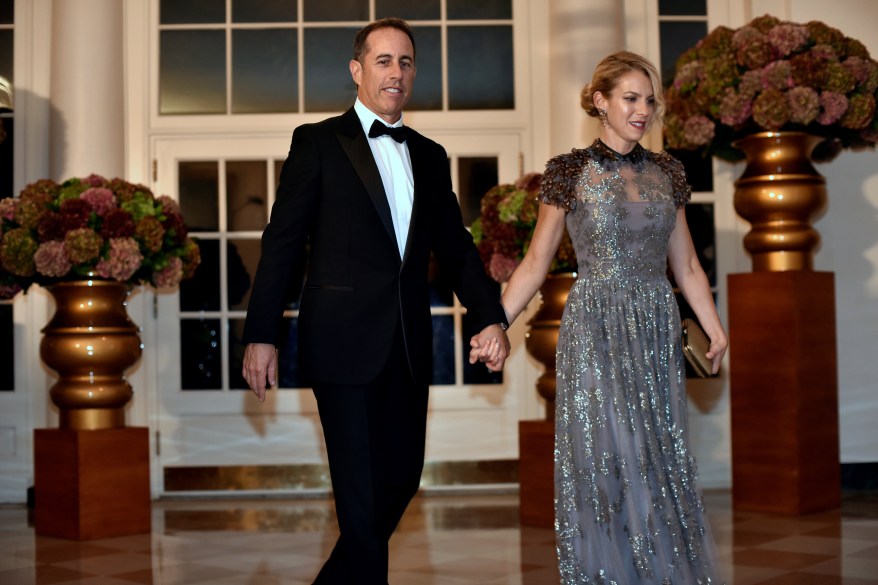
<point>92,228</point>
<point>506,225</point>
<point>773,75</point>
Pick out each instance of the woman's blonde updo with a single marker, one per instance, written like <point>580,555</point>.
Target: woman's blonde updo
<point>607,74</point>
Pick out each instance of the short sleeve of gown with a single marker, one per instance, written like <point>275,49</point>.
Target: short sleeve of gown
<point>558,186</point>
<point>679,183</point>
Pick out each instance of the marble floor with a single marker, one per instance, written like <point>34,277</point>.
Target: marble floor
<point>443,540</point>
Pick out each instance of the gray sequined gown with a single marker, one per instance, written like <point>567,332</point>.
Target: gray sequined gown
<point>627,509</point>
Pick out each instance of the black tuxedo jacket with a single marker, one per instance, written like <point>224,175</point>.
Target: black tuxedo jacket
<point>358,290</point>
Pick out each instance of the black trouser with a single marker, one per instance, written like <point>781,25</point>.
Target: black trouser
<point>375,437</point>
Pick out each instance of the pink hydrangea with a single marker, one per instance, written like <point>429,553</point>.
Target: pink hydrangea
<point>788,37</point>
<point>122,261</point>
<point>94,180</point>
<point>7,208</point>
<point>501,267</point>
<point>861,110</point>
<point>736,108</point>
<point>169,206</point>
<point>101,200</point>
<point>688,75</point>
<point>51,259</point>
<point>771,110</point>
<point>751,82</point>
<point>804,105</point>
<point>171,275</point>
<point>699,130</point>
<point>751,47</point>
<point>833,105</point>
<point>777,75</point>
<point>83,245</point>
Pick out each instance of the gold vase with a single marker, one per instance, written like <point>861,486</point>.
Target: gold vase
<point>90,342</point>
<point>541,338</point>
<point>779,193</point>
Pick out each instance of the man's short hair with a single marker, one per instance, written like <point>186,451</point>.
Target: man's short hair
<point>363,34</point>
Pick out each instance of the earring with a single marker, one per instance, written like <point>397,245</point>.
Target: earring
<point>602,114</point>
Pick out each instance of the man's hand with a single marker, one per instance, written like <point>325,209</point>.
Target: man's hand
<point>260,364</point>
<point>491,346</point>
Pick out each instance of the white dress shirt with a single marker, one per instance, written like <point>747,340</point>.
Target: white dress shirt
<point>395,167</point>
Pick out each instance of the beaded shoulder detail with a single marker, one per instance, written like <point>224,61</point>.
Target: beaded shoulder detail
<point>558,186</point>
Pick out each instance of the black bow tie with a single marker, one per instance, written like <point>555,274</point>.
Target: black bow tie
<point>399,133</point>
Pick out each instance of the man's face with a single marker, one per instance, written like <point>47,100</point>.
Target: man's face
<point>385,76</point>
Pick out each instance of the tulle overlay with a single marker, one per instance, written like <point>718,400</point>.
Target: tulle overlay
<point>627,509</point>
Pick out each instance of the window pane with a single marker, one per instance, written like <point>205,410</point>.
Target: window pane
<point>676,38</point>
<point>476,176</point>
<point>328,83</point>
<point>247,195</point>
<point>236,355</point>
<point>242,258</point>
<point>467,9</point>
<point>421,10</point>
<point>264,71</point>
<point>321,10</point>
<point>290,374</point>
<point>7,11</point>
<point>192,72</point>
<point>488,86</point>
<point>699,169</point>
<point>263,11</point>
<point>443,349</point>
<point>6,157</point>
<point>427,94</point>
<point>6,54</point>
<point>476,373</point>
<point>202,292</point>
<point>200,354</point>
<point>192,11</point>
<point>683,7</point>
<point>199,190</point>
<point>7,354</point>
<point>702,226</point>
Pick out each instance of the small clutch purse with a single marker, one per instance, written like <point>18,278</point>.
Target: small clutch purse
<point>695,346</point>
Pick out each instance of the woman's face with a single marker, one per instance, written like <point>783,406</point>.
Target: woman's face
<point>630,108</point>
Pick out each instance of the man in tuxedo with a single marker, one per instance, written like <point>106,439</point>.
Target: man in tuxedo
<point>370,200</point>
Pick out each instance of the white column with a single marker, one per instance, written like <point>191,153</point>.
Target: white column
<point>87,122</point>
<point>582,32</point>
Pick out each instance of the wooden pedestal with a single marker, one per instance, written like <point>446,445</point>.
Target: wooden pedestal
<point>784,392</point>
<point>91,484</point>
<point>536,457</point>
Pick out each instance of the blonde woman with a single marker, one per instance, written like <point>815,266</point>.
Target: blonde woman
<point>627,508</point>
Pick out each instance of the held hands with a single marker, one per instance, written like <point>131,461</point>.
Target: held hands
<point>490,346</point>
<point>260,364</point>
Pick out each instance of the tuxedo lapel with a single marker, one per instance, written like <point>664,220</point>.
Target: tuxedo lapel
<point>420,173</point>
<point>356,147</point>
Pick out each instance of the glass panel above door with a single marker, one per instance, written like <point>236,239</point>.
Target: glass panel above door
<point>192,11</point>
<point>409,10</point>
<point>337,10</point>
<point>328,84</point>
<point>192,69</point>
<point>265,70</point>
<point>490,85</point>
